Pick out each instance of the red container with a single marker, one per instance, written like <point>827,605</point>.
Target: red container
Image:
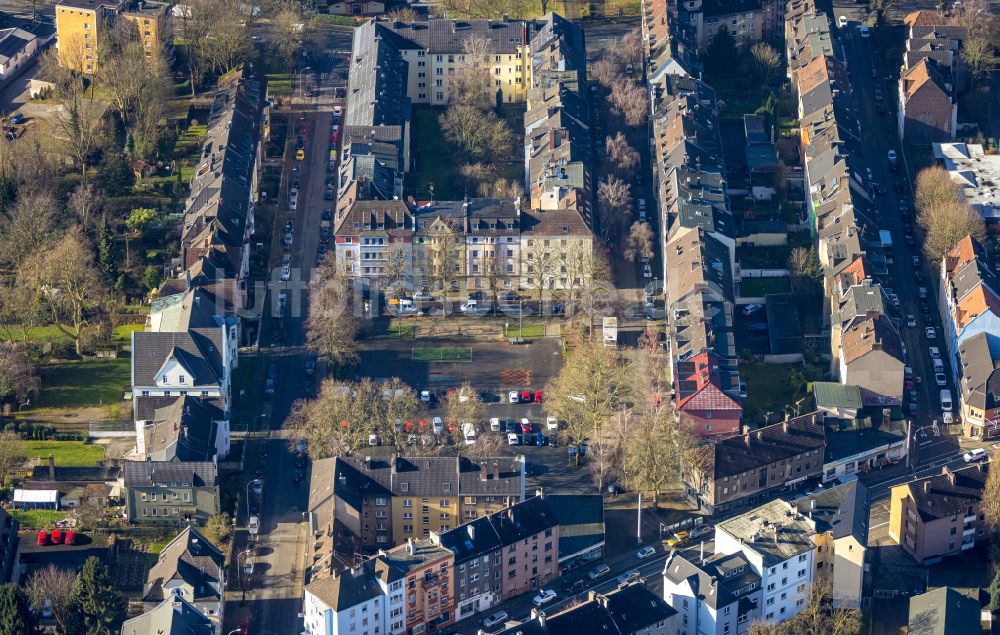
<point>43,538</point>
<point>57,536</point>
<point>70,538</point>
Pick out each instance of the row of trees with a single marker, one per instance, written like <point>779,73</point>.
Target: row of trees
<point>943,213</point>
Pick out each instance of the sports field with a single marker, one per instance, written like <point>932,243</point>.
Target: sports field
<point>442,354</point>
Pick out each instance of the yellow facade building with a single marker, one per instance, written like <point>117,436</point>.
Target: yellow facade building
<point>82,27</point>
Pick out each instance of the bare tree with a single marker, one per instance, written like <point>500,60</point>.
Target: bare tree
<point>65,282</point>
<point>464,405</point>
<point>490,9</point>
<point>621,157</point>
<point>18,374</point>
<point>51,589</point>
<point>629,101</point>
<point>605,457</point>
<point>87,204</point>
<point>606,71</point>
<point>397,264</point>
<point>445,257</point>
<point>540,262</point>
<point>11,454</point>
<point>486,445</point>
<point>402,14</point>
<point>629,49</point>
<point>77,119</point>
<point>332,326</point>
<point>480,134</point>
<point>615,196</point>
<point>989,505</point>
<point>766,60</point>
<point>653,452</point>
<point>640,242</point>
<point>27,225</point>
<point>592,385</point>
<point>471,84</point>
<point>943,215</point>
<point>218,528</point>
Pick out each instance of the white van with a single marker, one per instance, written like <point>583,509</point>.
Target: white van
<point>471,306</point>
<point>973,455</point>
<point>495,424</point>
<point>946,400</point>
<point>254,525</point>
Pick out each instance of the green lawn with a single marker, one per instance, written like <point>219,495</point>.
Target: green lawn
<point>528,330</point>
<point>435,163</point>
<point>757,287</point>
<point>38,518</point>
<point>400,330</point>
<point>442,354</point>
<point>121,334</point>
<point>771,387</point>
<point>66,453</point>
<point>279,84</point>
<point>90,382</point>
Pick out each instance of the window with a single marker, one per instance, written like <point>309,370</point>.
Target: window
<point>407,502</point>
<point>404,487</point>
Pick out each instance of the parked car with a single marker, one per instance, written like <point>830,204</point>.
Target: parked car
<point>701,531</point>
<point>629,576</point>
<point>934,352</point>
<point>437,425</point>
<point>543,597</point>
<point>527,396</point>
<point>930,332</point>
<point>976,454</point>
<point>514,397</point>
<point>513,439</point>
<point>493,619</point>
<point>940,379</point>
<point>750,309</point>
<point>645,552</point>
<point>572,588</point>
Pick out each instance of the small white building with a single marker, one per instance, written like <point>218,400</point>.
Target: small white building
<point>365,600</point>
<point>976,173</point>
<point>17,49</point>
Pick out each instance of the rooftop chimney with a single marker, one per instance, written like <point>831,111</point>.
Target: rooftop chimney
<point>540,492</point>
<point>471,530</point>
<point>927,486</point>
<point>52,468</point>
<point>784,426</point>
<point>496,471</point>
<point>411,546</point>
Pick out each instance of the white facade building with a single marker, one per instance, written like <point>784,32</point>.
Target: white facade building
<point>366,600</point>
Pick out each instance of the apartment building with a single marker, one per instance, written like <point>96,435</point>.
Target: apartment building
<point>82,25</point>
<point>478,571</point>
<point>193,568</point>
<point>375,502</point>
<point>743,470</point>
<point>170,493</point>
<point>716,595</point>
<point>17,48</point>
<point>872,359</point>
<point>778,544</point>
<point>976,173</point>
<point>429,583</point>
<point>172,615</point>
<point>529,533</point>
<point>928,107</point>
<point>369,599</point>
<point>938,515</point>
<point>979,385</point>
<point>631,609</point>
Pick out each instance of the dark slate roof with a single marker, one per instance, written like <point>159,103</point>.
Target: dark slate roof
<point>943,611</point>
<point>715,8</point>
<point>589,617</point>
<point>376,89</point>
<point>12,42</point>
<point>471,540</point>
<point>449,36</point>
<point>724,570</point>
<point>148,473</point>
<point>321,489</point>
<point>948,493</point>
<point>352,481</point>
<point>173,616</point>
<point>40,473</point>
<point>979,356</point>
<point>198,350</point>
<point>581,521</point>
<point>842,510</point>
<point>144,408</point>
<point>521,521</point>
<point>761,447</point>
<point>183,431</point>
<point>430,476</point>
<point>634,607</point>
<point>189,557</point>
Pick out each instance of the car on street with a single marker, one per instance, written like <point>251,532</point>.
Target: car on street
<point>701,531</point>
<point>628,576</point>
<point>300,154</point>
<point>493,619</point>
<point>891,155</point>
<point>572,588</point>
<point>543,597</point>
<point>940,379</point>
<point>930,332</point>
<point>934,352</point>
<point>645,552</point>
<point>750,309</point>
<point>976,454</point>
<point>254,525</point>
<point>297,475</point>
<point>599,571</point>
<point>842,21</point>
<point>311,363</point>
<point>911,321</point>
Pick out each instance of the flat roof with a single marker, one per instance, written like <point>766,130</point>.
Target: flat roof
<point>776,530</point>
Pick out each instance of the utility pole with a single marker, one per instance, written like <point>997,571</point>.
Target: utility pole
<point>638,521</point>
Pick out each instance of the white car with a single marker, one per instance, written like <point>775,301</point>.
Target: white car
<point>425,396</point>
<point>750,309</point>
<point>551,423</point>
<point>544,597</point>
<point>372,440</point>
<point>512,439</point>
<point>495,424</point>
<point>930,332</point>
<point>940,379</point>
<point>495,618</point>
<point>514,397</point>
<point>254,525</point>
<point>911,321</point>
<point>286,273</point>
<point>338,110</point>
<point>934,351</point>
<point>842,21</point>
<point>293,203</point>
<point>977,454</point>
<point>437,425</point>
<point>892,156</point>
<point>645,552</point>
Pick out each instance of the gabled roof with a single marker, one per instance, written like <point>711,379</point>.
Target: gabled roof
<point>842,510</point>
<point>348,588</point>
<point>523,520</point>
<point>198,350</point>
<point>943,611</point>
<point>924,17</point>
<point>979,357</point>
<point>471,540</point>
<point>173,616</point>
<point>183,431</point>
<point>760,447</point>
<point>721,578</point>
<point>924,75</point>
<point>152,473</point>
<point>872,334</point>
<point>949,492</point>
<point>192,558</point>
<point>12,42</point>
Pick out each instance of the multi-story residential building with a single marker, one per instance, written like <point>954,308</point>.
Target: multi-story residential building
<point>478,571</point>
<point>718,595</point>
<point>374,241</point>
<point>180,429</point>
<point>969,296</point>
<point>529,534</point>
<point>778,544</point>
<point>631,609</point>
<point>173,615</point>
<point>189,363</point>
<point>82,25</point>
<point>366,600</point>
<point>743,470</point>
<point>976,174</point>
<point>938,515</point>
<point>928,108</point>
<point>170,493</point>
<point>944,611</point>
<point>429,583</point>
<point>872,359</point>
<point>376,502</point>
<point>979,385</point>
<point>17,48</point>
<point>193,568</point>
<point>840,524</point>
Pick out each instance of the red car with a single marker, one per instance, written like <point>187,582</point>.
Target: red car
<point>70,538</point>
<point>43,538</point>
<point>57,537</point>
<point>538,396</point>
<point>526,396</point>
<point>525,426</point>
<point>334,136</point>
